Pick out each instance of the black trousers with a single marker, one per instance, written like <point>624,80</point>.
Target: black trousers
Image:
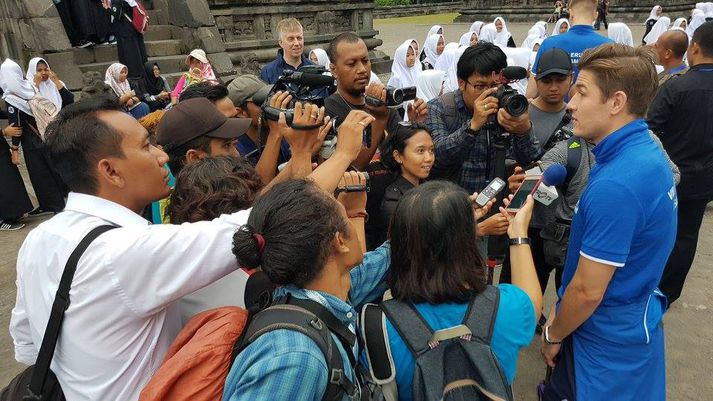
<point>538,256</point>
<point>690,217</point>
<point>49,187</point>
<point>602,17</point>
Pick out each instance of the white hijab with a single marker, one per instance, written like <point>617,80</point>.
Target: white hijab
<point>452,79</point>
<point>430,47</point>
<point>558,24</point>
<point>476,27</point>
<point>542,24</point>
<point>678,22</point>
<point>322,57</point>
<point>708,9</point>
<point>659,27</point>
<point>430,84</point>
<point>696,21</point>
<point>402,75</point>
<point>447,58</point>
<point>465,38</point>
<point>16,89</point>
<point>518,57</point>
<point>46,88</point>
<point>433,31</point>
<point>488,33</point>
<point>111,78</point>
<point>652,14</point>
<point>502,37</point>
<point>620,33</point>
<point>533,54</point>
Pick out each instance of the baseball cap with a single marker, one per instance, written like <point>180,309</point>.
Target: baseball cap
<point>198,54</point>
<point>553,61</point>
<point>243,88</point>
<point>196,117</point>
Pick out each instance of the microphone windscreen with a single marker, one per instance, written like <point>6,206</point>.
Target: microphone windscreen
<point>554,175</point>
<point>316,80</point>
<point>514,73</point>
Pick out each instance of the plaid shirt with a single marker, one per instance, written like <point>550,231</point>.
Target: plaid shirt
<point>285,365</point>
<point>476,153</point>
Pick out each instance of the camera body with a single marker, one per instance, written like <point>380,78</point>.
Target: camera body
<point>330,140</point>
<point>395,97</point>
<point>307,85</point>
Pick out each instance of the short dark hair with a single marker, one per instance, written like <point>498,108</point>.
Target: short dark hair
<point>434,249</point>
<point>397,141</point>
<point>298,222</point>
<point>704,37</point>
<point>206,89</point>
<point>677,42</point>
<point>482,59</point>
<point>211,187</point>
<point>177,155</point>
<point>348,37</point>
<point>78,138</point>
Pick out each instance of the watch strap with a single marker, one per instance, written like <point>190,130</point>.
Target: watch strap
<point>547,337</point>
<point>519,241</point>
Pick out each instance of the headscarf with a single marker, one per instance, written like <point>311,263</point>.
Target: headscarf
<point>46,88</point>
<point>465,38</point>
<point>502,37</point>
<point>16,89</point>
<point>697,11</point>
<point>476,27</point>
<point>488,33</point>
<point>447,58</point>
<point>620,33</point>
<point>678,22</point>
<point>433,31</point>
<point>132,3</point>
<point>430,84</point>
<point>111,78</point>
<point>207,72</point>
<point>659,27</point>
<point>518,57</point>
<point>452,79</point>
<point>696,21</point>
<point>708,10</point>
<point>652,14</point>
<point>542,24</point>
<point>533,54</point>
<point>154,85</point>
<point>529,42</point>
<point>558,24</point>
<point>322,57</point>
<point>430,48</point>
<point>402,75</point>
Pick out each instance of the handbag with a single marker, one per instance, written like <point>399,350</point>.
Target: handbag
<point>139,18</point>
<point>37,382</point>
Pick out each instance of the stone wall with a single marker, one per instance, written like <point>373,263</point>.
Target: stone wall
<point>418,9</point>
<point>533,10</point>
<point>248,27</point>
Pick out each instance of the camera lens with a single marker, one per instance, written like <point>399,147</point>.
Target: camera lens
<point>397,96</point>
<point>515,104</point>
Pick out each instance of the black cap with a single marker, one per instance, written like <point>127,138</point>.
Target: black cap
<point>192,118</point>
<point>553,61</point>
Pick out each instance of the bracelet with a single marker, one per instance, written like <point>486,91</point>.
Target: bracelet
<point>359,215</point>
<point>519,241</point>
<point>547,337</point>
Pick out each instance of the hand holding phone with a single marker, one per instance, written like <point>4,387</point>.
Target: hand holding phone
<point>528,187</point>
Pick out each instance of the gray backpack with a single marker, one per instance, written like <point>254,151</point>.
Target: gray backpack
<point>451,364</point>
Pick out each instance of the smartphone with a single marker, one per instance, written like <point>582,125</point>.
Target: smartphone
<point>489,192</point>
<point>528,187</point>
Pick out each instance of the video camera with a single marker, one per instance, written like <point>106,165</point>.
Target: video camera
<point>307,85</point>
<point>330,141</point>
<point>395,97</point>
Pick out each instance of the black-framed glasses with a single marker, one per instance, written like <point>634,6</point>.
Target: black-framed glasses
<point>482,87</point>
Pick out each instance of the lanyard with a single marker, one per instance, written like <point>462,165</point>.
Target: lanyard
<point>677,69</point>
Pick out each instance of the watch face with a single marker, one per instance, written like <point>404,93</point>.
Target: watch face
<point>10,110</point>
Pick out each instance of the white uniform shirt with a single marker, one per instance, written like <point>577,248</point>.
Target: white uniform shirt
<point>121,321</point>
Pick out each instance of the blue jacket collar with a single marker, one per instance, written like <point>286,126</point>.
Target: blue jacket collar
<point>610,147</point>
<point>281,59</point>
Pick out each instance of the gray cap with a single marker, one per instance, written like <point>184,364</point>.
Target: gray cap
<point>243,88</point>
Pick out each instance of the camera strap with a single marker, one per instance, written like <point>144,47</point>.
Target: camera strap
<point>305,127</point>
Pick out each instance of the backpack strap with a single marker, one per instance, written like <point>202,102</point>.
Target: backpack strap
<point>410,325</point>
<point>574,158</point>
<point>378,352</point>
<point>450,111</point>
<point>553,139</point>
<point>284,316</point>
<point>59,307</point>
<point>480,317</point>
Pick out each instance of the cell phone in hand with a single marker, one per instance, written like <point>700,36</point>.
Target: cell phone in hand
<point>490,192</point>
<point>528,187</point>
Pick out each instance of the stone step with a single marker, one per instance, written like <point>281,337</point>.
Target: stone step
<point>108,53</point>
<point>157,48</point>
<point>159,32</point>
<point>168,64</point>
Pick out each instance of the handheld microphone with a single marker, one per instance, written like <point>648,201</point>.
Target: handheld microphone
<point>546,193</point>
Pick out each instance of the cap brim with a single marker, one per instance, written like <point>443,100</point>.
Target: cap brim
<point>231,128</point>
<point>551,71</point>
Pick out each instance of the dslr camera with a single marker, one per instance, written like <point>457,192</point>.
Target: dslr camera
<point>306,85</point>
<point>395,97</point>
<point>509,99</point>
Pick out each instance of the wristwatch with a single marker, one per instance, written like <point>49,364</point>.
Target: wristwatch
<point>470,131</point>
<point>547,337</point>
<point>519,241</point>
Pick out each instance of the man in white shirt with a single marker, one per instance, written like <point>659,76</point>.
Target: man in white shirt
<point>121,319</point>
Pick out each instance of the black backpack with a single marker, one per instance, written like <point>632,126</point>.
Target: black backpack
<point>315,321</point>
<point>452,364</point>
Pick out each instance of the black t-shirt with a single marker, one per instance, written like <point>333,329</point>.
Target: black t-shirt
<point>337,106</point>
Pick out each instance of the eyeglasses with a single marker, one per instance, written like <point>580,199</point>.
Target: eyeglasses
<point>482,87</point>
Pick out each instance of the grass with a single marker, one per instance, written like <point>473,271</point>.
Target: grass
<point>419,19</point>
